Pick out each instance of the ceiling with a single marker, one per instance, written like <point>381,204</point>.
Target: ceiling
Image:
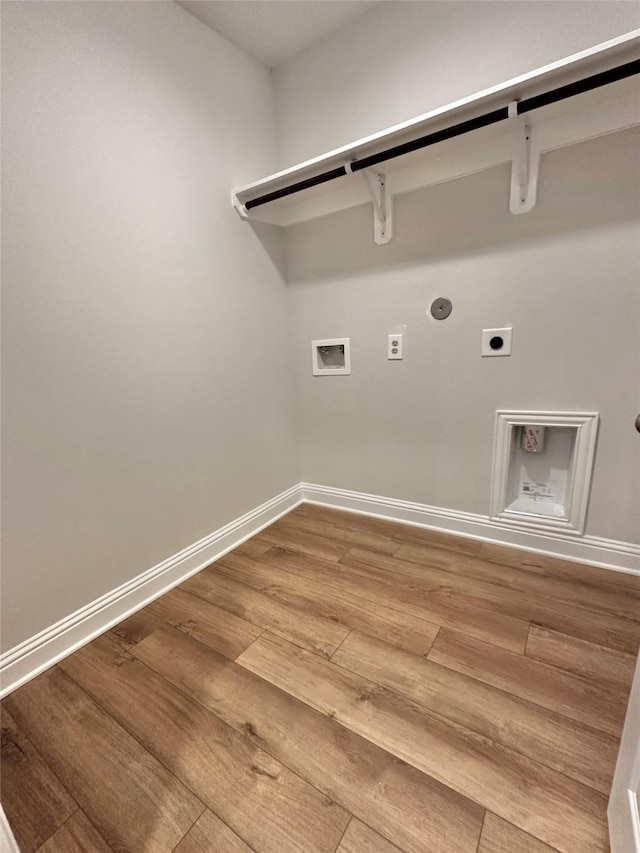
<point>274,30</point>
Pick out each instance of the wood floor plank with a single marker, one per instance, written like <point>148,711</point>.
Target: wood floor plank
<point>210,835</point>
<point>312,632</point>
<point>360,839</point>
<point>455,611</point>
<point>383,527</point>
<point>131,799</point>
<point>331,601</point>
<point>266,804</point>
<point>538,800</point>
<point>130,631</point>
<point>403,805</point>
<point>252,548</point>
<point>578,751</point>
<point>555,567</point>
<point>602,707</point>
<point>34,801</point>
<point>603,597</point>
<point>341,725</point>
<point>77,835</point>
<point>345,536</point>
<point>307,543</point>
<point>600,627</point>
<point>498,836</point>
<point>222,630</point>
<point>426,555</point>
<point>589,660</point>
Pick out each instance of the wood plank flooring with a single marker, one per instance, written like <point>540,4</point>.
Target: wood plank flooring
<point>337,684</point>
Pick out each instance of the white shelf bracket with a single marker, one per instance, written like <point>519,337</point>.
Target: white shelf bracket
<point>376,183</point>
<point>525,164</point>
<point>239,208</point>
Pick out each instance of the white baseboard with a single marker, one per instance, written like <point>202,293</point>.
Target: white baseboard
<point>8,844</point>
<point>28,659</point>
<point>591,550</point>
<point>623,811</point>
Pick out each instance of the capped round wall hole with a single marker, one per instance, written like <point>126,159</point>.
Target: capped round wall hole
<point>441,308</point>
<point>496,342</point>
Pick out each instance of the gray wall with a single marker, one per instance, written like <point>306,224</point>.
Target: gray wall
<point>405,58</point>
<point>146,401</point>
<point>565,275</point>
<point>146,392</point>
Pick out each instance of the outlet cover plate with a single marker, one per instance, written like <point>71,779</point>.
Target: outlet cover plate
<point>394,347</point>
<point>496,342</point>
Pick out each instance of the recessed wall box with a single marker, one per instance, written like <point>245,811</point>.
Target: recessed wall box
<point>331,357</point>
<point>549,489</point>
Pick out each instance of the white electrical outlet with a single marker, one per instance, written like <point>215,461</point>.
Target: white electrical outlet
<point>394,346</point>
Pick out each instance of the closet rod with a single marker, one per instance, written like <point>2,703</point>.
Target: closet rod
<point>621,72</point>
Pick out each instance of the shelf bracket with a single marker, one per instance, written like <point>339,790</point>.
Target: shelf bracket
<point>239,208</point>
<point>376,183</point>
<point>525,164</point>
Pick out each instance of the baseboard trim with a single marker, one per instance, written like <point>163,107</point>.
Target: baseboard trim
<point>25,661</point>
<point>8,843</point>
<point>591,550</point>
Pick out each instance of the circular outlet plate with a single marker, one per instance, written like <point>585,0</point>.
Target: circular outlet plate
<point>441,308</point>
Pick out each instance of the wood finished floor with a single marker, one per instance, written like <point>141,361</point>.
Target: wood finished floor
<point>337,683</point>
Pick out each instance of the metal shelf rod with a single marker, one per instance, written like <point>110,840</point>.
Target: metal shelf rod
<point>587,84</point>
